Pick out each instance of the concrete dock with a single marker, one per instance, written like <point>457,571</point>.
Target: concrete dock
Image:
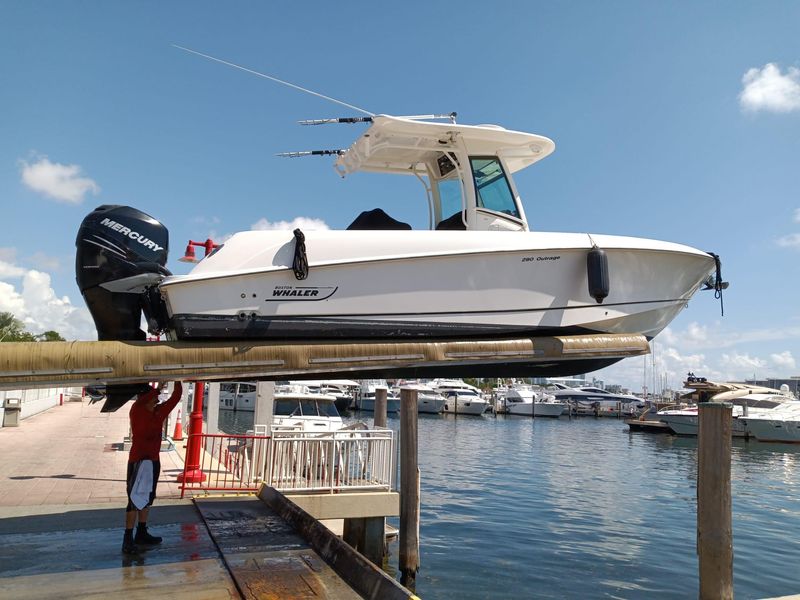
<point>62,499</point>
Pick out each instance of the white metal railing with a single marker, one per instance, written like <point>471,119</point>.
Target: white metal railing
<point>357,460</point>
<point>293,460</point>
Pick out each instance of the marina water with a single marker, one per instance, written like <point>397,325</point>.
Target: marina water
<point>514,507</point>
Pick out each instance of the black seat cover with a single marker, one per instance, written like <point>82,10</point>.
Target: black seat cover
<point>376,219</point>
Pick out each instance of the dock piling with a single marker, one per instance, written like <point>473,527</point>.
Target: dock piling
<point>714,529</point>
<point>381,403</point>
<point>409,489</point>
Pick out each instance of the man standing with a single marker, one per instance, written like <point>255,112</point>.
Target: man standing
<point>147,418</point>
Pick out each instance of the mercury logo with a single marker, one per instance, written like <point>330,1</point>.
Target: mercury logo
<point>134,235</point>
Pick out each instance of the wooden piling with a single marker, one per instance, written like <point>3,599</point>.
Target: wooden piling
<point>381,403</point>
<point>714,529</point>
<point>409,489</point>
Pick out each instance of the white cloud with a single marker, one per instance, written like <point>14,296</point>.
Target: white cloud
<point>9,270</point>
<point>304,223</point>
<point>783,360</point>
<point>40,310</point>
<point>770,90</point>
<point>789,241</point>
<point>63,183</point>
<point>743,363</point>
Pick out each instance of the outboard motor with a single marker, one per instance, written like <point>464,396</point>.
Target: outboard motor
<point>120,259</point>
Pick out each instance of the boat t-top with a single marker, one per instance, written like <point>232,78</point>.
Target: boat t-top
<point>477,272</point>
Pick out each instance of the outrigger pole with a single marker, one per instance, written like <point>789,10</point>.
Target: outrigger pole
<point>311,153</point>
<point>275,79</point>
<point>449,116</point>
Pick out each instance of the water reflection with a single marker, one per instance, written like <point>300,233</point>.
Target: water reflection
<point>515,507</point>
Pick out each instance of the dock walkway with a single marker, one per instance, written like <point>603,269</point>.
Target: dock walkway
<point>62,497</point>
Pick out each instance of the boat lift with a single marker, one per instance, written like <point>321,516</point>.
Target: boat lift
<point>45,364</point>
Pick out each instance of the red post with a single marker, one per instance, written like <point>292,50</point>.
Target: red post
<point>191,472</point>
<point>61,399</point>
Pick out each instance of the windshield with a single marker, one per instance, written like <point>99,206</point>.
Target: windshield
<point>492,188</point>
<point>287,407</point>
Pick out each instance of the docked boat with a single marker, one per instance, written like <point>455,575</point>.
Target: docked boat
<point>529,401</point>
<point>746,409</point>
<point>344,390</point>
<point>294,405</point>
<point>781,424</point>
<point>365,397</point>
<point>304,411</point>
<point>597,402</point>
<point>747,400</point>
<point>429,401</point>
<point>460,397</point>
<point>477,272</point>
<point>237,396</point>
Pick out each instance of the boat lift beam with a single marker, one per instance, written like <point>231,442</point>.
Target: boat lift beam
<point>49,364</point>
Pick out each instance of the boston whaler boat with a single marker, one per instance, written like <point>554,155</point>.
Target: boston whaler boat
<point>477,273</point>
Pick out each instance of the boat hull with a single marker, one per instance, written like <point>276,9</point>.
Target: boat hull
<point>444,285</point>
<point>535,409</point>
<point>463,406</point>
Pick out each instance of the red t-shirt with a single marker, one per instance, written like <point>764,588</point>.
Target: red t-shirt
<point>146,426</point>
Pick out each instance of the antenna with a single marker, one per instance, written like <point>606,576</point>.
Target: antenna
<point>275,79</point>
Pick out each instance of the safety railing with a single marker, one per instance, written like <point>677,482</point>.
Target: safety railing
<point>228,463</point>
<point>354,460</point>
<point>290,460</point>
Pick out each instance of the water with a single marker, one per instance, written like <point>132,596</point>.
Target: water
<point>520,508</point>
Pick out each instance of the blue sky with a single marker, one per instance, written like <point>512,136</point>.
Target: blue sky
<point>676,121</point>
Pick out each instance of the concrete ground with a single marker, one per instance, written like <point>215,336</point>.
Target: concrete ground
<point>62,500</point>
<point>72,454</point>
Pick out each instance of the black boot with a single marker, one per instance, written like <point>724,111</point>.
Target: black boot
<point>128,545</point>
<point>144,538</point>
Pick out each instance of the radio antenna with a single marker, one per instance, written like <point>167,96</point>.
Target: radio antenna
<point>275,79</point>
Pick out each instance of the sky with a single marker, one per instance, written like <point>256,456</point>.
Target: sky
<point>677,121</point>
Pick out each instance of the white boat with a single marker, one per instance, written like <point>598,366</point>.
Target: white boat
<point>365,397</point>
<point>429,401</point>
<point>781,424</point>
<point>305,411</point>
<point>594,401</point>
<point>477,272</point>
<point>344,390</point>
<point>526,400</point>
<point>460,397</point>
<point>237,395</point>
<point>685,421</point>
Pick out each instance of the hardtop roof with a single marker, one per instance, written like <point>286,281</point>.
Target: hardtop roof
<point>402,145</point>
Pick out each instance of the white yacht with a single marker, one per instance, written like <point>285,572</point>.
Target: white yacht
<point>529,401</point>
<point>782,424</point>
<point>306,411</point>
<point>429,401</point>
<point>365,396</point>
<point>685,421</point>
<point>477,272</point>
<point>594,401</point>
<point>237,395</point>
<point>294,406</point>
<point>460,397</point>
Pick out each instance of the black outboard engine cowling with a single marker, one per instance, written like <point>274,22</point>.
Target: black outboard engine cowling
<point>120,259</point>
